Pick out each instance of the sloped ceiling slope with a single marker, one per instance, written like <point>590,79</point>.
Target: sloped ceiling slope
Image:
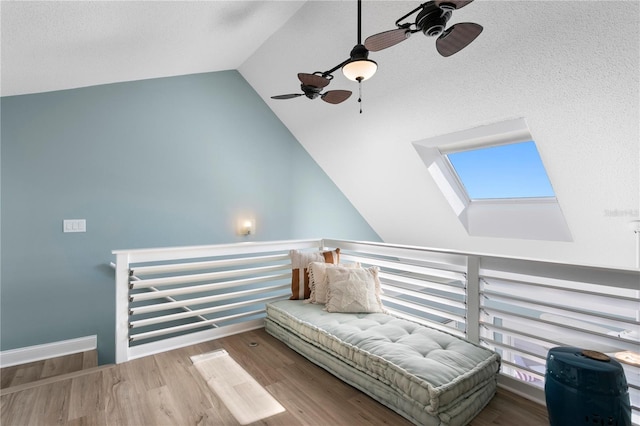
<point>569,68</point>
<point>54,45</point>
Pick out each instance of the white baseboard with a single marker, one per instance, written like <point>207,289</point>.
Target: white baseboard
<point>47,350</point>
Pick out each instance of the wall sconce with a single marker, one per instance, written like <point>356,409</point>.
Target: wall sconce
<point>246,227</point>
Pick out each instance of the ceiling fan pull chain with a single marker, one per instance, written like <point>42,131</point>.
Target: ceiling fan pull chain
<point>360,94</point>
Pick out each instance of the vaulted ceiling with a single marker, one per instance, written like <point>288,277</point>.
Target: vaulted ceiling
<point>569,68</point>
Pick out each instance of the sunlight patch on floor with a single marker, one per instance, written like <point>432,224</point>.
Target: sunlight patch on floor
<point>240,393</point>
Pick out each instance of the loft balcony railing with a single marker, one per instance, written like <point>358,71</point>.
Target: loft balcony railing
<point>168,298</point>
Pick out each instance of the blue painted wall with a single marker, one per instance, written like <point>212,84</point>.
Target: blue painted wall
<point>163,162</point>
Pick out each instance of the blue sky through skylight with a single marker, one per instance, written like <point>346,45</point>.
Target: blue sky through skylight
<point>505,171</point>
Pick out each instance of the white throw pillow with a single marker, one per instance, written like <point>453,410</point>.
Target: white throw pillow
<point>319,282</point>
<point>354,290</point>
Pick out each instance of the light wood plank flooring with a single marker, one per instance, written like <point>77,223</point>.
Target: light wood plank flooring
<point>34,371</point>
<point>166,389</point>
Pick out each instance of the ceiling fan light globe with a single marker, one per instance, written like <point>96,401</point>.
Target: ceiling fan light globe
<point>360,69</point>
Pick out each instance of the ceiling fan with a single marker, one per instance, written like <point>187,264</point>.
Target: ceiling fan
<point>431,20</point>
<point>357,68</point>
<point>312,85</point>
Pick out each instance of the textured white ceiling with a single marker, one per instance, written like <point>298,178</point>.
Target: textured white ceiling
<point>53,45</point>
<point>569,67</point>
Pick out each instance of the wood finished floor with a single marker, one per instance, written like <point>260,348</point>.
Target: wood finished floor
<point>166,389</point>
<point>50,368</point>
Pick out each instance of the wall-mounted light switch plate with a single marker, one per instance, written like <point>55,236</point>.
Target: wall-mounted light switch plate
<point>74,225</point>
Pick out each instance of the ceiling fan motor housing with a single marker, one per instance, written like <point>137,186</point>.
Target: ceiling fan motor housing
<point>432,19</point>
<point>311,92</point>
<point>359,52</point>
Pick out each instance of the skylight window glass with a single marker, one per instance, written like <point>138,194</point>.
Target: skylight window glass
<point>504,171</point>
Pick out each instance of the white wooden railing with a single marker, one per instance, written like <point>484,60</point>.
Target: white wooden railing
<point>168,298</point>
<point>173,297</point>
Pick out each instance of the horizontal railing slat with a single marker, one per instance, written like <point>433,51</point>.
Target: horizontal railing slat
<point>211,264</point>
<point>219,275</point>
<point>562,316</point>
<point>422,308</point>
<point>201,312</point>
<point>409,267</point>
<point>496,344</point>
<point>425,296</point>
<point>511,286</point>
<point>562,340</point>
<point>191,326</point>
<point>437,258</point>
<point>524,302</point>
<point>206,287</point>
<point>427,322</point>
<point>558,274</point>
<point>423,282</point>
<point>207,299</point>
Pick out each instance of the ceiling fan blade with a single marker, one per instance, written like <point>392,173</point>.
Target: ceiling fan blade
<point>336,96</point>
<point>457,4</point>
<point>289,96</point>
<point>313,80</point>
<point>386,39</point>
<point>457,37</point>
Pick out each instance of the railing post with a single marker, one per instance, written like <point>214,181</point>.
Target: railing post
<point>473,299</point>
<point>122,307</point>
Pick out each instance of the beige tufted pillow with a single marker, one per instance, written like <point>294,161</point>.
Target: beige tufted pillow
<point>319,282</point>
<point>354,290</point>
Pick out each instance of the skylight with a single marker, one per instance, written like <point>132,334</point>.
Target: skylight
<point>493,179</point>
<point>502,172</point>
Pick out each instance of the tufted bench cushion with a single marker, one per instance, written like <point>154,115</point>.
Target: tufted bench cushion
<point>438,373</point>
